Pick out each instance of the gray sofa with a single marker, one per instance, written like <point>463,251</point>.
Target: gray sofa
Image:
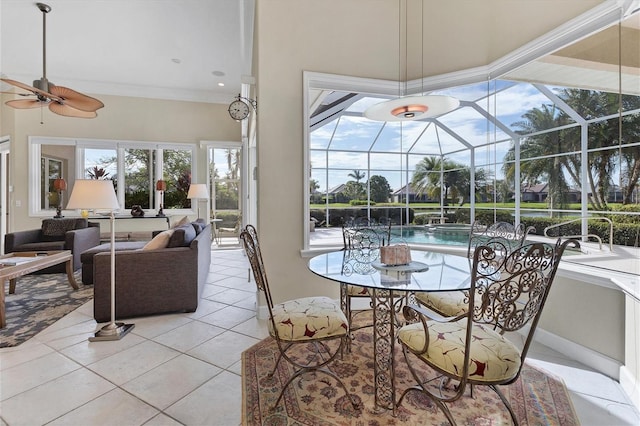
<point>151,282</point>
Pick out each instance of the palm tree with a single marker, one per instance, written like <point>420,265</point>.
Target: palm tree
<point>550,169</point>
<point>357,175</point>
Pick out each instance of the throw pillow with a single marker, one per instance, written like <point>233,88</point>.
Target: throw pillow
<point>159,241</point>
<point>182,236</point>
<point>198,226</point>
<point>181,222</point>
<point>55,229</point>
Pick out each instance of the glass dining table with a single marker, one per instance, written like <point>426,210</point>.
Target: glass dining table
<point>428,271</point>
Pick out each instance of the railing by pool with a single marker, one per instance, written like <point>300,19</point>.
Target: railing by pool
<point>597,237</point>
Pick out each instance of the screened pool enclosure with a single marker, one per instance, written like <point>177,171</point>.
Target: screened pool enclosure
<point>557,138</point>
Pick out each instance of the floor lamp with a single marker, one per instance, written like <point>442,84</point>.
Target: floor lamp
<point>100,195</point>
<point>198,191</point>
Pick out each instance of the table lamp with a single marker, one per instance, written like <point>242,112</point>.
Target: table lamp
<point>198,191</point>
<point>100,194</point>
<point>161,186</point>
<point>59,185</point>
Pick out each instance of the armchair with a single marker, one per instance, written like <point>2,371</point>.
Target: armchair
<point>75,234</point>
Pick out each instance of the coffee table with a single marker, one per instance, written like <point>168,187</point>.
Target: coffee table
<point>27,263</point>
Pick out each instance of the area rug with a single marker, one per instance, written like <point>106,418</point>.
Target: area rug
<point>39,301</point>
<point>537,397</point>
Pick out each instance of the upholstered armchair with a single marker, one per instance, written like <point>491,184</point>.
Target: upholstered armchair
<point>75,234</point>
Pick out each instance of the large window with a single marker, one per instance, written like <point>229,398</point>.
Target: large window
<point>556,138</point>
<point>226,185</point>
<point>133,167</point>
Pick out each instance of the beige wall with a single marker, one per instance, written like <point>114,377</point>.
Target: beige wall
<point>357,38</point>
<point>588,315</point>
<point>122,118</point>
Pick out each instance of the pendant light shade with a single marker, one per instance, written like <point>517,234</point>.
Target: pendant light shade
<point>410,108</point>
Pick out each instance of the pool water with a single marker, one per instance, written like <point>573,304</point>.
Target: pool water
<point>429,235</point>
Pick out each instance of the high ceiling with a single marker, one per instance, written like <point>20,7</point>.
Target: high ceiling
<point>169,49</point>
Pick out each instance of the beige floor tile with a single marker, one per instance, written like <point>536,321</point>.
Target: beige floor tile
<point>217,402</point>
<point>171,381</point>
<point>155,325</point>
<point>231,296</point>
<point>223,350</point>
<point>34,373</point>
<point>253,327</point>
<point>205,307</point>
<point>86,352</point>
<point>228,317</point>
<point>113,408</point>
<point>68,336</point>
<point>189,335</point>
<point>133,362</point>
<point>29,350</point>
<point>53,399</point>
<point>162,420</point>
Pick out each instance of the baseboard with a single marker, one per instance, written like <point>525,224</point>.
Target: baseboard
<point>631,386</point>
<point>599,362</point>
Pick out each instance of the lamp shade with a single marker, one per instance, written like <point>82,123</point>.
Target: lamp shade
<point>93,194</point>
<point>198,190</point>
<point>410,108</point>
<point>161,185</point>
<point>60,184</point>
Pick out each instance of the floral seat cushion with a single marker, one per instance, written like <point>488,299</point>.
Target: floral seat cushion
<point>493,357</point>
<point>446,303</point>
<point>308,318</point>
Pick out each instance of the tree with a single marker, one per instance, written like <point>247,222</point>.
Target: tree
<point>354,190</point>
<point>432,174</point>
<point>379,189</point>
<point>550,168</point>
<point>357,175</point>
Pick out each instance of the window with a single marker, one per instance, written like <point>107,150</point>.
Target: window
<point>134,168</point>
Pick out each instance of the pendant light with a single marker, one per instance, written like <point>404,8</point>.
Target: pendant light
<point>408,108</point>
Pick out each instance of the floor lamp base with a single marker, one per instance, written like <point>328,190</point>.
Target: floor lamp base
<point>113,331</point>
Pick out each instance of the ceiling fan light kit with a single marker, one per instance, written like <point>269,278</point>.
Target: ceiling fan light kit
<point>61,100</point>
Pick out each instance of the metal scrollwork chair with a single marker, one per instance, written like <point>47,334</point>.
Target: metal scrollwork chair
<point>502,236</point>
<point>507,293</point>
<point>307,323</point>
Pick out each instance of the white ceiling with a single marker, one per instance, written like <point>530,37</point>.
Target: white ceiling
<point>130,47</point>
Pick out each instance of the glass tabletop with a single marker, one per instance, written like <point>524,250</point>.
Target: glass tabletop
<point>428,271</point>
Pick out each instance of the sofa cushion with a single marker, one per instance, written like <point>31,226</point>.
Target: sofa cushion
<point>182,236</point>
<point>160,241</point>
<point>55,229</point>
<point>41,246</point>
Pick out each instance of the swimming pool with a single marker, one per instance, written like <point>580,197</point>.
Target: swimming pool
<point>441,234</point>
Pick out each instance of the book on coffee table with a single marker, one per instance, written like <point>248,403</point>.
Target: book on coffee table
<point>16,260</point>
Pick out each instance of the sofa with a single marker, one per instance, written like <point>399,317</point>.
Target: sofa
<point>75,234</point>
<point>152,279</point>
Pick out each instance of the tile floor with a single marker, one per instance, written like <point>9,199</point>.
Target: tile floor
<point>185,368</point>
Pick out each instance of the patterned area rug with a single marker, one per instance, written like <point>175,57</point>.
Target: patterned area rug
<point>537,397</point>
<point>39,301</point>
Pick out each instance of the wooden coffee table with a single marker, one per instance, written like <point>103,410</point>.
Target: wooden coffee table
<point>26,263</point>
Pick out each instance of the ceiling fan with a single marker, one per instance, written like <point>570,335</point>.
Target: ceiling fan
<point>61,100</point>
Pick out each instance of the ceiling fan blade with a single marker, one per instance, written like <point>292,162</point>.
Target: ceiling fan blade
<point>75,99</point>
<point>68,111</point>
<point>25,103</point>
<point>29,88</point>
<point>17,94</point>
